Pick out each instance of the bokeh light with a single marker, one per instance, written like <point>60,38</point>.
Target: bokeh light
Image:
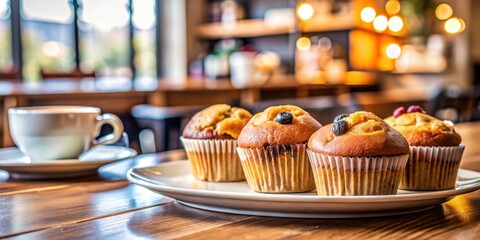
<point>143,15</point>
<point>443,11</point>
<point>303,44</point>
<point>53,49</point>
<point>325,43</point>
<point>453,25</point>
<point>393,51</point>
<point>380,23</point>
<point>368,14</point>
<point>305,11</point>
<point>392,7</point>
<point>462,23</point>
<point>395,24</point>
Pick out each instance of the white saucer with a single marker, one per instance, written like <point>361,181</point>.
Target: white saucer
<point>21,167</point>
<point>174,179</point>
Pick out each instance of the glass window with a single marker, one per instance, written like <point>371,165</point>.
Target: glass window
<point>5,37</point>
<point>47,37</point>
<point>143,19</point>
<point>104,41</point>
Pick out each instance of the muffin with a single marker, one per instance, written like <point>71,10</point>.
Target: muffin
<point>210,141</point>
<point>358,154</point>
<point>435,149</point>
<point>272,150</point>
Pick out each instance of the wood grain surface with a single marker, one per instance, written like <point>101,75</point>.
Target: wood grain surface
<point>108,206</point>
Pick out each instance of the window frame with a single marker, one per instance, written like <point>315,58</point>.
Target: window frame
<point>17,46</point>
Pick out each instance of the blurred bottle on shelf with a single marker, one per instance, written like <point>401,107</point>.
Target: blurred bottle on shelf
<point>216,66</point>
<point>231,12</point>
<point>196,67</point>
<point>319,60</point>
<point>227,12</point>
<point>250,68</point>
<point>242,68</point>
<point>214,12</point>
<point>216,63</point>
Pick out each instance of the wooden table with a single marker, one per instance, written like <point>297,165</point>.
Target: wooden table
<point>107,205</point>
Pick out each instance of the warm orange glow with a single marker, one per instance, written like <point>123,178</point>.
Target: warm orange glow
<point>305,11</point>
<point>335,70</point>
<point>385,62</point>
<point>380,23</point>
<point>303,44</point>
<point>392,7</point>
<point>267,61</point>
<point>393,51</point>
<point>395,24</point>
<point>443,11</point>
<point>454,25</point>
<point>460,206</point>
<point>363,56</point>
<point>368,14</point>
<point>462,23</point>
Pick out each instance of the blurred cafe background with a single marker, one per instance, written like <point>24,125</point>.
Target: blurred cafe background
<point>156,62</point>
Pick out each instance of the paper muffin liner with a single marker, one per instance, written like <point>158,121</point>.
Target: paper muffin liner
<point>214,160</point>
<point>277,169</point>
<point>352,176</point>
<point>432,168</point>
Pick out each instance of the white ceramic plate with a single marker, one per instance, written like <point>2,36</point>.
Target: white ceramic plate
<point>174,179</point>
<point>20,166</point>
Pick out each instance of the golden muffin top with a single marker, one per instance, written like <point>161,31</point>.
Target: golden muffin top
<point>278,125</point>
<point>421,129</point>
<point>219,121</point>
<point>358,134</point>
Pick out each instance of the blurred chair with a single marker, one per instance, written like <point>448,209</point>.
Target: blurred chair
<point>323,108</point>
<point>164,123</point>
<point>75,74</point>
<point>451,103</point>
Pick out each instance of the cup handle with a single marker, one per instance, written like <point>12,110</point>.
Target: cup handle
<point>115,122</point>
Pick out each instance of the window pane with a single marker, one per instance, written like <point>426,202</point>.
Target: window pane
<point>5,36</point>
<point>144,37</point>
<point>47,36</point>
<point>104,37</point>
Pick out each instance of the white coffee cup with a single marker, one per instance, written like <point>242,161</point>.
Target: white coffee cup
<point>60,132</point>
